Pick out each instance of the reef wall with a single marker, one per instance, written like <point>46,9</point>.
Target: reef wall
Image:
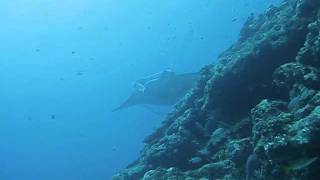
<point>254,114</point>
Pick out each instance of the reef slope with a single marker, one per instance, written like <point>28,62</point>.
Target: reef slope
<point>254,114</point>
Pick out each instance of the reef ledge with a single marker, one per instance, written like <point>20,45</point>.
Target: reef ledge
<point>255,114</point>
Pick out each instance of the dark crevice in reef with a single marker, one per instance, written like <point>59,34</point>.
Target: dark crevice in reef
<point>259,103</point>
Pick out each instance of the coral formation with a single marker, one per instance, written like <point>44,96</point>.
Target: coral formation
<point>260,102</point>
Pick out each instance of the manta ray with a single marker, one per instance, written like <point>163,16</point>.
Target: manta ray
<point>164,88</point>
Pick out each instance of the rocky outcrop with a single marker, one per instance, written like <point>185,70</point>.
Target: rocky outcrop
<point>262,98</point>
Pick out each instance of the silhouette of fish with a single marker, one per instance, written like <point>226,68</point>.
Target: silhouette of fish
<point>164,88</point>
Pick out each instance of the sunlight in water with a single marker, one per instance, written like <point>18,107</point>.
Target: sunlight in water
<point>40,11</point>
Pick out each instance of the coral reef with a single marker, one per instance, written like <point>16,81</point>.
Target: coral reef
<point>259,103</point>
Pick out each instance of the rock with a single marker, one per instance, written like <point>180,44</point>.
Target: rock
<point>218,136</point>
<point>213,170</point>
<point>163,174</point>
<point>239,150</point>
<point>286,75</point>
<point>261,97</point>
<point>306,131</point>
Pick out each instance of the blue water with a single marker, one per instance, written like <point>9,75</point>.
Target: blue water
<point>66,64</point>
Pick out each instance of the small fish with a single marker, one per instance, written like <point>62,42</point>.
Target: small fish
<point>53,116</point>
<point>79,73</point>
<point>299,164</point>
<point>195,160</point>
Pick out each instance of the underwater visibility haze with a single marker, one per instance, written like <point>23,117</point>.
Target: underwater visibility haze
<point>65,65</point>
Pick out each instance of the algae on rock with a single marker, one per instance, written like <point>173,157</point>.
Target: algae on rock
<point>262,96</point>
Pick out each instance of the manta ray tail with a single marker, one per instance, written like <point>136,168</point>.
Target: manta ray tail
<point>129,102</point>
<point>122,106</point>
